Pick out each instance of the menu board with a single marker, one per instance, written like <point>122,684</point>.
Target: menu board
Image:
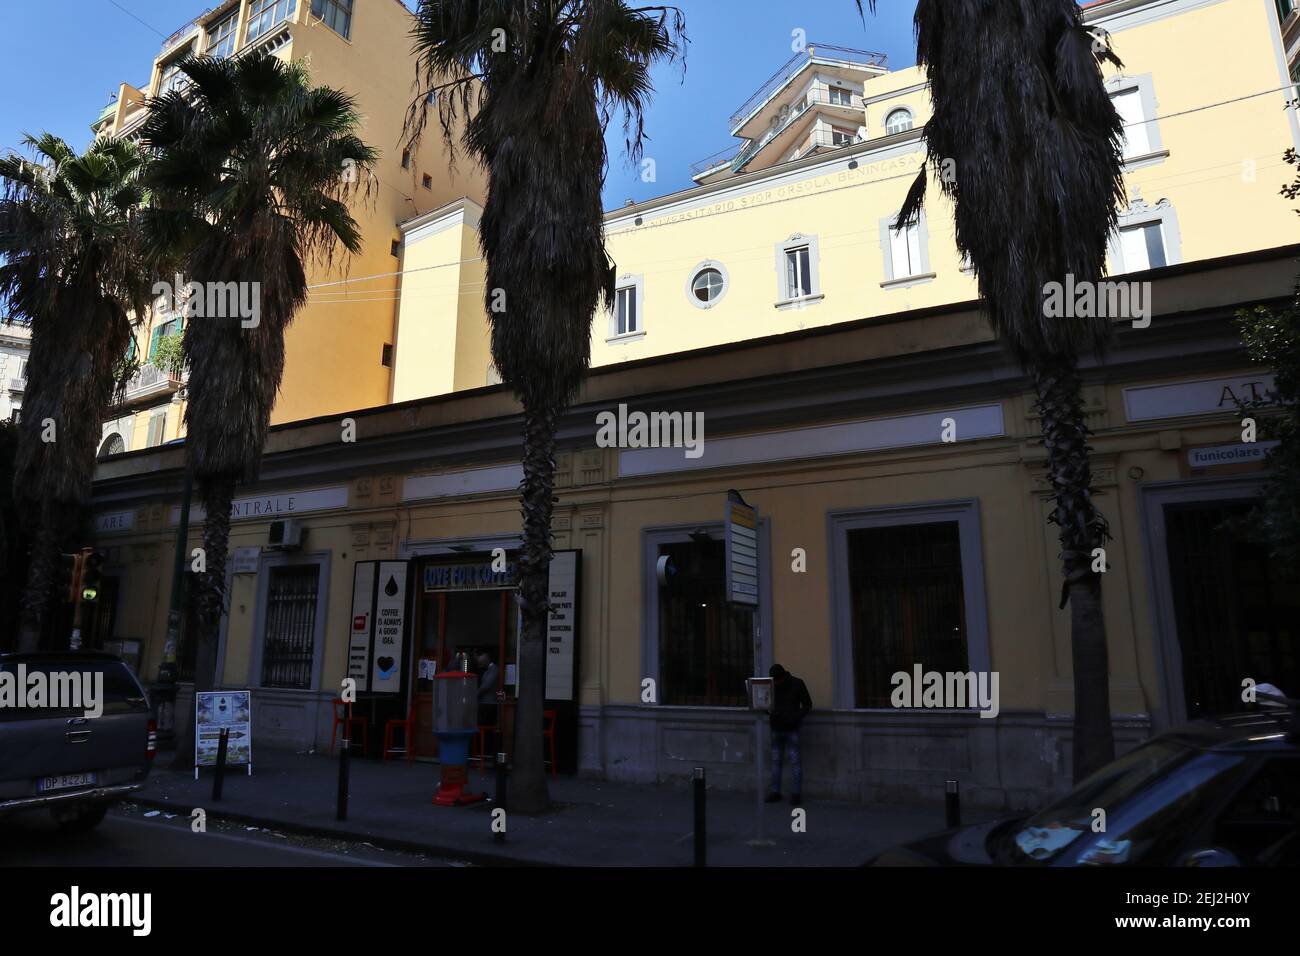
<point>215,711</point>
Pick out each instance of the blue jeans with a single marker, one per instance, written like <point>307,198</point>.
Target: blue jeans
<point>786,740</point>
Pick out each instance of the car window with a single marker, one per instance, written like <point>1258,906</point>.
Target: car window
<point>33,690</point>
<point>1261,826</point>
<point>1046,834</point>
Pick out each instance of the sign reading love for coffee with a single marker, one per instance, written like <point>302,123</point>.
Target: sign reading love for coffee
<point>376,643</point>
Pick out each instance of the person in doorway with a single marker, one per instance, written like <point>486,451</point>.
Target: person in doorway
<point>790,705</point>
<point>487,689</point>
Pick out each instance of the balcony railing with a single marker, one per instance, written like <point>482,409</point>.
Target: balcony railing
<point>720,158</point>
<point>796,63</point>
<point>149,379</point>
<point>17,384</point>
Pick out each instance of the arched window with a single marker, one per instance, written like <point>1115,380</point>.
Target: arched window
<point>113,445</point>
<point>898,121</point>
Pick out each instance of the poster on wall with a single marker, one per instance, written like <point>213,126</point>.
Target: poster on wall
<point>390,626</point>
<point>363,613</point>
<point>215,711</point>
<point>742,551</point>
<point>562,628</point>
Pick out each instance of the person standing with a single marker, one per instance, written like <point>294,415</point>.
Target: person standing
<point>790,705</point>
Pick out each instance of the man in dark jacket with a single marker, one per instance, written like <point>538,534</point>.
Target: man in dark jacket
<point>790,704</point>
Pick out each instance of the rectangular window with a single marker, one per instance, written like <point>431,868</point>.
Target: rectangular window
<point>905,250</point>
<point>1128,104</point>
<point>289,644</point>
<point>841,137</point>
<point>798,272</point>
<point>427,181</point>
<point>907,604</point>
<point>386,356</point>
<point>157,427</point>
<point>172,77</point>
<point>625,305</point>
<point>172,327</point>
<point>406,159</point>
<point>841,97</point>
<point>336,14</point>
<point>265,15</point>
<point>1143,247</point>
<point>221,36</point>
<point>706,646</point>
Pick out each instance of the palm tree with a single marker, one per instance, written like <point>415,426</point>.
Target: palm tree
<point>72,268</point>
<point>1036,176</point>
<point>250,180</point>
<point>535,83</point>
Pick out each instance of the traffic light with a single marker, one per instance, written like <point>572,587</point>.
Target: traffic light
<point>92,573</point>
<point>69,584</point>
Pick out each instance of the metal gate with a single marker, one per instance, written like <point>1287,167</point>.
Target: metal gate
<point>289,645</point>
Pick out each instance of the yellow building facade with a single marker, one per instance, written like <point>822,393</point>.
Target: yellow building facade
<point>825,353</point>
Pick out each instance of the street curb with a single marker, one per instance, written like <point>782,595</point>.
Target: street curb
<point>477,857</point>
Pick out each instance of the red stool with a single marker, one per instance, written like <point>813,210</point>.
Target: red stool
<point>343,715</point>
<point>481,744</point>
<point>408,735</point>
<point>549,718</point>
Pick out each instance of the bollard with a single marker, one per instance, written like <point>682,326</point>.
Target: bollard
<point>344,757</point>
<point>700,859</point>
<point>503,782</point>
<point>952,804</point>
<point>219,777</point>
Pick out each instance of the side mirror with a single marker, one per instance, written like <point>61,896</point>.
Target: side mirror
<point>1211,856</point>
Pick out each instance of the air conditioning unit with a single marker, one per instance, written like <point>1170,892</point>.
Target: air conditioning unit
<point>286,535</point>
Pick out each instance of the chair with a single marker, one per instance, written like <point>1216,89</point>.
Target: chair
<point>343,715</point>
<point>549,719</point>
<point>408,735</point>
<point>481,745</point>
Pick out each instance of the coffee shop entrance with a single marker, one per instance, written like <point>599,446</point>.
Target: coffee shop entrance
<point>465,606</point>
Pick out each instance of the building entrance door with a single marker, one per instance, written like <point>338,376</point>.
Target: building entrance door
<point>1237,616</point>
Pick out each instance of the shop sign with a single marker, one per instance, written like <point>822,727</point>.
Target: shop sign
<point>378,626</point>
<point>468,577</point>
<point>1240,453</point>
<point>561,629</point>
<point>742,551</point>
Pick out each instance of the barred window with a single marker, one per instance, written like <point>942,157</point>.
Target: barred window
<point>289,642</point>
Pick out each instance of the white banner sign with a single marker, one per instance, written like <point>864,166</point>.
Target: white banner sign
<point>562,628</point>
<point>390,624</point>
<point>1181,399</point>
<point>363,609</point>
<point>245,560</point>
<point>285,505</point>
<point>1236,454</point>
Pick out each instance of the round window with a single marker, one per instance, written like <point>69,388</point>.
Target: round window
<point>708,285</point>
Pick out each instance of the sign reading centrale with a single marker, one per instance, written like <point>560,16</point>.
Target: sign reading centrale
<point>283,505</point>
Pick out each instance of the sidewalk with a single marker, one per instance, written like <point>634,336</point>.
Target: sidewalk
<point>592,823</point>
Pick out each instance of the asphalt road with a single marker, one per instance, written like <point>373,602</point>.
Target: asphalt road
<point>128,838</point>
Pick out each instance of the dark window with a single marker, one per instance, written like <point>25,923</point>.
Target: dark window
<point>289,646</point>
<point>396,248</point>
<point>706,646</point>
<point>428,181</point>
<point>387,358</point>
<point>406,159</point>
<point>907,605</point>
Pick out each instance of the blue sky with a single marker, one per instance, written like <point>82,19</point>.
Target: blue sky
<point>735,46</point>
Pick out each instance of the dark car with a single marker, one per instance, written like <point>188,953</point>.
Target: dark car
<point>1217,792</point>
<point>73,762</point>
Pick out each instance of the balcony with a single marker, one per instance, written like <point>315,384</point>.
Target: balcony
<point>18,385</point>
<point>149,381</point>
<point>833,57</point>
<point>715,162</point>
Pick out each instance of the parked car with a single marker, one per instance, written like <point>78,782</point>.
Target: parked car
<point>63,759</point>
<point>1216,792</point>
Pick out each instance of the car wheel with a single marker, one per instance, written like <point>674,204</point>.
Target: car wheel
<point>81,819</point>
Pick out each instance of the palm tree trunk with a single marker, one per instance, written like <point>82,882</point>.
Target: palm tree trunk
<point>41,576</point>
<point>1065,434</point>
<point>217,494</point>
<point>528,791</point>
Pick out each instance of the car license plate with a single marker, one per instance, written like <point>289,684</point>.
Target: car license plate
<point>65,781</point>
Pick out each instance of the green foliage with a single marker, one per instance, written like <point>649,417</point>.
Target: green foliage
<point>1273,339</point>
<point>167,355</point>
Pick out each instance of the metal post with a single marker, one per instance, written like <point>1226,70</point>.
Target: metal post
<point>168,668</point>
<point>503,783</point>
<point>219,778</point>
<point>952,804</point>
<point>701,843</point>
<point>759,788</point>
<point>344,758</point>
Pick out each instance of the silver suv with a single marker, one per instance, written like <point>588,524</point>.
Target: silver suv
<point>76,735</point>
